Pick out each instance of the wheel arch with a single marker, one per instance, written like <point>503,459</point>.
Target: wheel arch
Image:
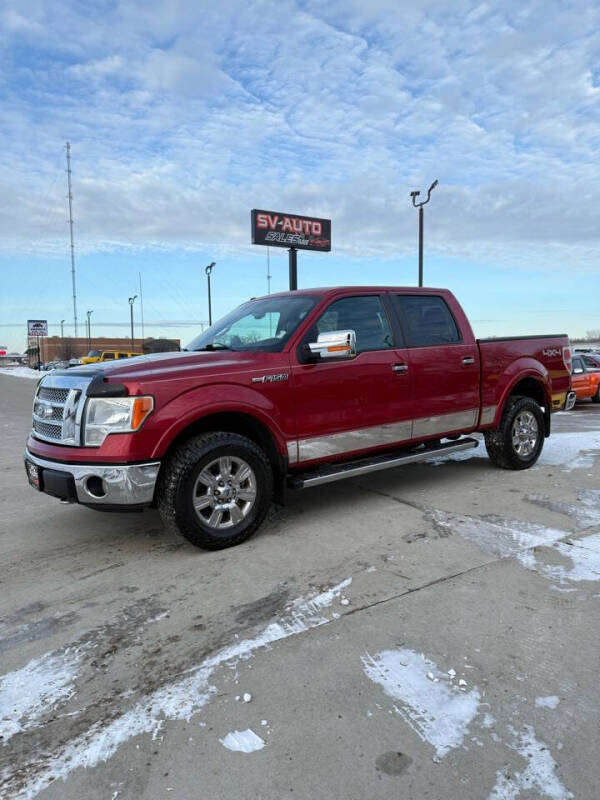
<point>243,424</point>
<point>534,387</point>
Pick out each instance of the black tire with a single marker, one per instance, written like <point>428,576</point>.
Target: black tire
<point>180,476</point>
<point>596,397</point>
<point>499,442</point>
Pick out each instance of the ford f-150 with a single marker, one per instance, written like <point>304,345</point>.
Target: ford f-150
<point>291,390</point>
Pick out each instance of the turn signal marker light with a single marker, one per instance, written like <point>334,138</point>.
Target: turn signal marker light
<point>142,406</point>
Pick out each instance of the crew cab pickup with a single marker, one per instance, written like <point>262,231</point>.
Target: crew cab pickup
<point>291,390</point>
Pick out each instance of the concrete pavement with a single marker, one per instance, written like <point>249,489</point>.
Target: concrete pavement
<point>427,632</point>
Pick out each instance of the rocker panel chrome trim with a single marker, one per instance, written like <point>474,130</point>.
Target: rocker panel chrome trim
<point>380,435</point>
<point>488,414</point>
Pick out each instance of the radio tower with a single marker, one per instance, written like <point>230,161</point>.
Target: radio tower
<point>72,245</point>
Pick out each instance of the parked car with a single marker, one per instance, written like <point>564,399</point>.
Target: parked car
<point>585,378</point>
<point>296,389</point>
<point>94,356</point>
<point>591,361</point>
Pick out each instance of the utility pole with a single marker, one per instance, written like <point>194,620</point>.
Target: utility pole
<point>420,207</point>
<point>131,302</point>
<point>89,329</point>
<point>293,268</point>
<point>71,230</point>
<point>142,309</point>
<point>208,270</point>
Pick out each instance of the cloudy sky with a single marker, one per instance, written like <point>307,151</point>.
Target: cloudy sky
<point>184,116</point>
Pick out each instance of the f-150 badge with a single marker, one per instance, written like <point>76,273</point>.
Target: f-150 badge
<point>283,376</point>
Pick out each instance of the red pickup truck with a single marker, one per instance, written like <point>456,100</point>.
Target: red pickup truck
<point>294,389</point>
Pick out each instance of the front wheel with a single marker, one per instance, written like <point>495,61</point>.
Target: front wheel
<point>596,397</point>
<point>518,441</point>
<point>215,490</point>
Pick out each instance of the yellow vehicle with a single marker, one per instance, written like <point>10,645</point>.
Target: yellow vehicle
<point>107,355</point>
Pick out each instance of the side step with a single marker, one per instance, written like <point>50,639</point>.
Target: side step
<point>350,469</point>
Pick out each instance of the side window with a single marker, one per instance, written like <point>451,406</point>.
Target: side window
<point>427,320</point>
<point>107,356</point>
<point>363,315</point>
<point>577,365</point>
<point>122,355</point>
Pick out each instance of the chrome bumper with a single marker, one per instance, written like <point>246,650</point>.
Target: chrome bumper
<point>570,401</point>
<point>106,484</point>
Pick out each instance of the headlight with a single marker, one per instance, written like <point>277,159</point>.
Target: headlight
<point>114,415</point>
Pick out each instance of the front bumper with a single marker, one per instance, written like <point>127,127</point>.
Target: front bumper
<point>91,484</point>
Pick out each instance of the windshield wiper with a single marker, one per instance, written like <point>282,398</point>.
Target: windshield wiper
<point>215,346</point>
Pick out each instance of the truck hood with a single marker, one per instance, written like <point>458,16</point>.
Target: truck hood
<point>141,367</point>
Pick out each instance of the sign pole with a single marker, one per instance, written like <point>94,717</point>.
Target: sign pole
<point>293,269</point>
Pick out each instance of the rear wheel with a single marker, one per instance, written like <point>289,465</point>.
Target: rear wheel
<point>596,397</point>
<point>215,490</point>
<point>518,441</point>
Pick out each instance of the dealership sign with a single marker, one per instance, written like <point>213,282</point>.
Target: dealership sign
<point>275,229</point>
<point>37,327</point>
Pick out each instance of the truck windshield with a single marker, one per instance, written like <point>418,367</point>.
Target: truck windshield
<point>264,324</point>
<point>94,354</point>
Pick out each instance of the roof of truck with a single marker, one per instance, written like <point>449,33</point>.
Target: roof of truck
<point>329,290</point>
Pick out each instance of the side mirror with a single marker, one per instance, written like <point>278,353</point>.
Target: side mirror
<point>334,344</point>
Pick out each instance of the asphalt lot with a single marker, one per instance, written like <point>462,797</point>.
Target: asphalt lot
<point>427,632</point>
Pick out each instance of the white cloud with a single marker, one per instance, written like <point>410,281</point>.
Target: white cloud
<point>181,117</point>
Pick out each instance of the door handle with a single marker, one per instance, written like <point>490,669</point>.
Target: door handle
<point>468,360</point>
<point>400,368</point>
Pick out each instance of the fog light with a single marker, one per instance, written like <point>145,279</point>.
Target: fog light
<point>95,486</point>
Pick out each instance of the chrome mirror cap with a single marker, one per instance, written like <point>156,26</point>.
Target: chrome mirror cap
<point>334,344</point>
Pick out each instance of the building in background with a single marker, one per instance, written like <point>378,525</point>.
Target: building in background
<point>55,348</point>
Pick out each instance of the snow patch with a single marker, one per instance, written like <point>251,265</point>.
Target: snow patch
<point>585,558</point>
<point>22,372</point>
<point>437,712</point>
<point>243,741</point>
<point>547,702</point>
<point>575,450</point>
<point>175,701</point>
<point>28,693</point>
<point>499,536</point>
<point>538,776</point>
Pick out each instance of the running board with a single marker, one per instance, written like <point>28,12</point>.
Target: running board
<point>351,469</point>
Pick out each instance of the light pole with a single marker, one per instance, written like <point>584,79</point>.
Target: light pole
<point>420,207</point>
<point>89,327</point>
<point>62,329</point>
<point>131,302</point>
<point>208,270</point>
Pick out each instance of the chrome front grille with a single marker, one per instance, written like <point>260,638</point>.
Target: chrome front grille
<point>57,409</point>
<point>45,430</point>
<point>53,395</point>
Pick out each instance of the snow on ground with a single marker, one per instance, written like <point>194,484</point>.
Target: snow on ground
<point>585,512</point>
<point>570,451</point>
<point>178,700</point>
<point>547,702</point>
<point>32,691</point>
<point>243,741</point>
<point>517,539</point>
<point>499,536</point>
<point>537,779</point>
<point>22,372</point>
<point>435,708</point>
<point>584,555</point>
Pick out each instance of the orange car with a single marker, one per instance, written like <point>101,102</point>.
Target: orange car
<point>585,379</point>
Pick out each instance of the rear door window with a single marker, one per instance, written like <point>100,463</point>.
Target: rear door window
<point>426,320</point>
<point>107,356</point>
